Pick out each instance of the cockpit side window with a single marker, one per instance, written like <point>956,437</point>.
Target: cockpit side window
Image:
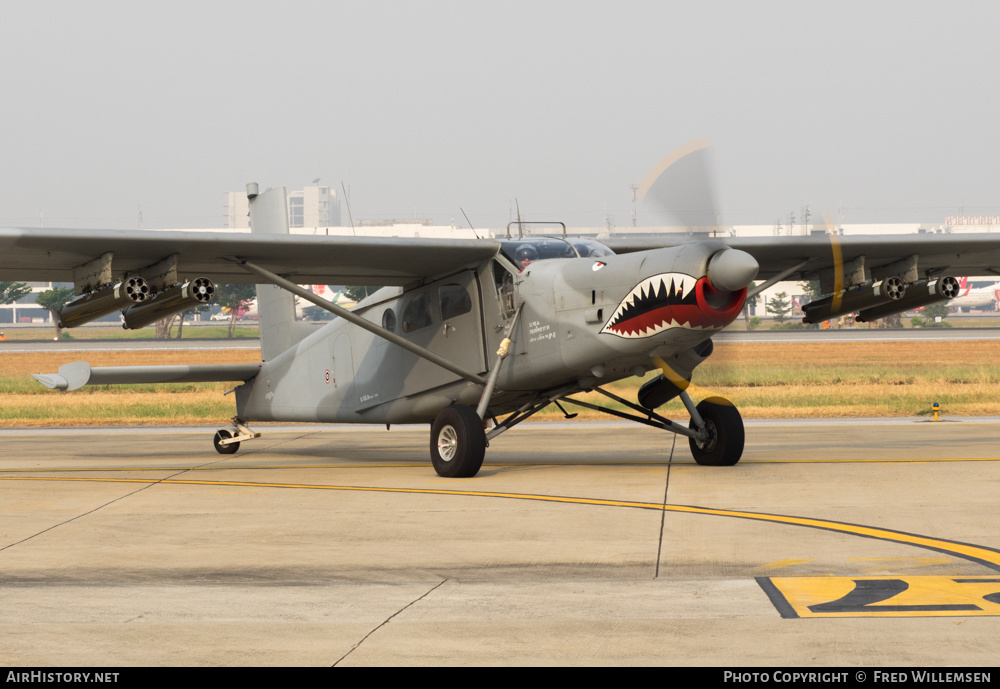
<point>417,313</point>
<point>505,289</point>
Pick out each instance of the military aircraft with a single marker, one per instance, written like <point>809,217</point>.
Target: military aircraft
<point>473,336</point>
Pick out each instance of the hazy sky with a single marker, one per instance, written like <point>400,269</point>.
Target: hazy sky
<point>888,110</point>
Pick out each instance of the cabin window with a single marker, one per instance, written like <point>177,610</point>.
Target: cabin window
<point>455,301</point>
<point>417,313</point>
<point>389,320</point>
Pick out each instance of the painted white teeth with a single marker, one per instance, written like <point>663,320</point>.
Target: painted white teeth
<point>671,284</point>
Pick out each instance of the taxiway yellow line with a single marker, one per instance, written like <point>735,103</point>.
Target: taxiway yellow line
<point>423,465</point>
<point>983,555</point>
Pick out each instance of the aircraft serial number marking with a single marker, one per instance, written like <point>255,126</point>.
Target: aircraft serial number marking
<point>537,331</point>
<point>916,596</point>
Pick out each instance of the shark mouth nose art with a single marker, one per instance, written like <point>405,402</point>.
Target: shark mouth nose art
<point>673,300</point>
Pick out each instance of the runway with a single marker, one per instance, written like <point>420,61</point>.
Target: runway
<point>578,543</point>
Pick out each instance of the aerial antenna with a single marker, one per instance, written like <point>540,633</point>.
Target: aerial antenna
<point>520,228</point>
<point>351,217</point>
<point>470,223</point>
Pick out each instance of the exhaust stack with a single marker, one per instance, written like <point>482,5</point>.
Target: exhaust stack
<point>170,301</point>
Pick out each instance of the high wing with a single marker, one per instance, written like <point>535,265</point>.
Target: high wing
<point>52,254</point>
<point>937,254</point>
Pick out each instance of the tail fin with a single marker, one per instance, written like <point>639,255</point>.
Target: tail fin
<point>275,306</point>
<point>962,286</point>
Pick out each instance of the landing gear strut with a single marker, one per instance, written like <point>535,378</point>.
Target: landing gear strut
<point>458,441</point>
<point>227,440</point>
<point>715,433</point>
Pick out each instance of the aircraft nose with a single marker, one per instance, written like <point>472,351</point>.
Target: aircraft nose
<point>731,270</point>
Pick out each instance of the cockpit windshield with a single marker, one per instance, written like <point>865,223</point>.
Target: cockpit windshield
<point>524,252</point>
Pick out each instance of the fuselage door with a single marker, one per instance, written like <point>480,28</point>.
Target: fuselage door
<point>446,318</point>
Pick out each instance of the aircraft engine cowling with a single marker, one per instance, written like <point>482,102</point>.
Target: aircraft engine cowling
<point>677,299</point>
<point>170,301</point>
<point>672,300</point>
<point>132,290</point>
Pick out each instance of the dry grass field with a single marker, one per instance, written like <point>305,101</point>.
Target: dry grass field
<point>792,380</point>
<point>855,379</point>
<point>24,402</point>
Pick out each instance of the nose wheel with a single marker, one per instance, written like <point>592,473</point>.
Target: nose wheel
<point>724,427</point>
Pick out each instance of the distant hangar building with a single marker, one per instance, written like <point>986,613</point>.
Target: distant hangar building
<point>311,206</point>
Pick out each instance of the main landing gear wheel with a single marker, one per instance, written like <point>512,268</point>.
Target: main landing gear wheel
<point>724,446</point>
<point>224,434</point>
<point>458,442</point>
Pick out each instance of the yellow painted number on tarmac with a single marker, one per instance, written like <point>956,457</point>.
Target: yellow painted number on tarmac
<point>922,596</point>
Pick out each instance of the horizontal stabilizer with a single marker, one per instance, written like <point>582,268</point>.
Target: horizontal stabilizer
<point>79,373</point>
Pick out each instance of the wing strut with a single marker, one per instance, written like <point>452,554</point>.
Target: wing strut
<point>776,279</point>
<point>484,401</point>
<point>357,320</point>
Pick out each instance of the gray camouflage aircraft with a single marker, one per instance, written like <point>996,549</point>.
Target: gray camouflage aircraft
<point>473,336</point>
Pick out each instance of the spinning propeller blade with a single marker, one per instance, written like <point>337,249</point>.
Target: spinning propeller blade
<point>680,188</point>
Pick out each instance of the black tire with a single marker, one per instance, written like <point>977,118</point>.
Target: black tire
<point>229,449</point>
<point>458,442</point>
<point>725,446</point>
